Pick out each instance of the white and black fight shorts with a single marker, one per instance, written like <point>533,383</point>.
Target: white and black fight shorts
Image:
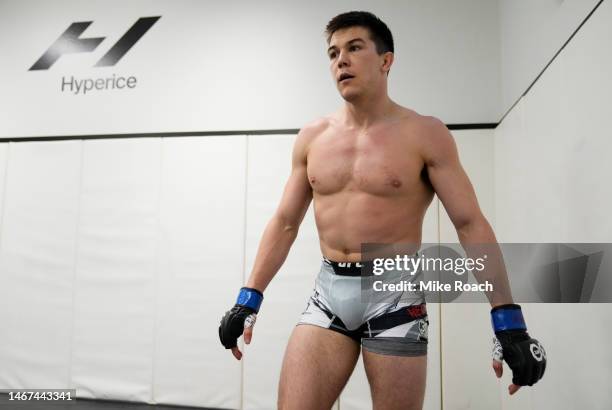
<point>388,323</point>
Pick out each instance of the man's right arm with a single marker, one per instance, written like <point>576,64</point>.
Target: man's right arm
<point>274,246</point>
<point>282,229</point>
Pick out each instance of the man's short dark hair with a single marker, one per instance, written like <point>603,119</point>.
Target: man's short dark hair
<point>379,32</point>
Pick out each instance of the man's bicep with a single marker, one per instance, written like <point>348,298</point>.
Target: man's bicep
<point>297,193</point>
<point>449,180</point>
<point>456,192</point>
<point>296,197</point>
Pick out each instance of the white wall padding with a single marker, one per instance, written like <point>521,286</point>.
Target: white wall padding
<point>201,261</point>
<point>38,240</point>
<point>577,342</point>
<point>531,162</point>
<point>552,185</point>
<point>117,260</point>
<point>530,33</point>
<point>510,214</point>
<point>586,111</point>
<point>4,149</point>
<point>117,270</point>
<point>286,297</point>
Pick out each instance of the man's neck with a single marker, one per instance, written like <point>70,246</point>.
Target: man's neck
<point>367,111</point>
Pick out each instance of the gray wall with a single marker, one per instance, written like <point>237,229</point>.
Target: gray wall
<point>530,34</point>
<point>552,165</point>
<point>236,65</point>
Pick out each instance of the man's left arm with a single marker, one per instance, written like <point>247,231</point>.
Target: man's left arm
<point>454,189</point>
<point>524,355</point>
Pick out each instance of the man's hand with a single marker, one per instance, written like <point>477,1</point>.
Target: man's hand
<point>241,318</point>
<point>524,355</point>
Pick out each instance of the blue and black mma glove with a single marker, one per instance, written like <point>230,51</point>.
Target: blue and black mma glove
<point>525,356</point>
<point>241,316</point>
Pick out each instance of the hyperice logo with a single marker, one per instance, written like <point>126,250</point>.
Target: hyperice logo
<point>71,42</point>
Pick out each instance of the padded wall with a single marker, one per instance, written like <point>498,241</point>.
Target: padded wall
<point>133,250</point>
<point>551,171</point>
<point>117,259</point>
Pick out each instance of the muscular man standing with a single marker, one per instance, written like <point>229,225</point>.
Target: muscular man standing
<point>371,169</point>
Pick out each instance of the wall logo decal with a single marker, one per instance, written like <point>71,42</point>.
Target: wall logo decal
<point>70,42</point>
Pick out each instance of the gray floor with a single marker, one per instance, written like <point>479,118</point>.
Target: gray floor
<point>84,404</point>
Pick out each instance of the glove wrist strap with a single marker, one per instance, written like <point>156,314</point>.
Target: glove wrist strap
<point>507,317</point>
<point>250,298</point>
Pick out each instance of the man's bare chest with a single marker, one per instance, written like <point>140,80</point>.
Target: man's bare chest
<point>378,163</point>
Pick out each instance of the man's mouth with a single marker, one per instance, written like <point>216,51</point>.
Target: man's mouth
<point>344,77</point>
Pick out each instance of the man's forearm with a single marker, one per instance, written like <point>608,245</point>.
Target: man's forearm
<point>273,250</point>
<point>478,239</point>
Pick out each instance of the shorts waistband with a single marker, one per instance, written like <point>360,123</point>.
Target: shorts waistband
<point>350,268</point>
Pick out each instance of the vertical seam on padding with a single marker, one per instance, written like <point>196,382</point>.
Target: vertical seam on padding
<point>244,242</point>
<point>157,268</point>
<point>8,148</point>
<point>76,262</point>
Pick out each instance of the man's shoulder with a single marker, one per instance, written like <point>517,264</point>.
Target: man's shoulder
<point>425,123</point>
<point>425,128</point>
<point>316,126</point>
<point>432,124</point>
<point>435,131</point>
<point>312,130</point>
<point>435,141</point>
<point>429,135</point>
<point>308,133</point>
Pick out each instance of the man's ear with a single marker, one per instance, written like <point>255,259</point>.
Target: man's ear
<point>388,58</point>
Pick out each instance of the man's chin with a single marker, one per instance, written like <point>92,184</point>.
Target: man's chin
<point>349,96</point>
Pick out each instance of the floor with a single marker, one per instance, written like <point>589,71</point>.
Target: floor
<point>84,404</point>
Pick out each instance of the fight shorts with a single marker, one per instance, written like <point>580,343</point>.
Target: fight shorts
<point>383,322</point>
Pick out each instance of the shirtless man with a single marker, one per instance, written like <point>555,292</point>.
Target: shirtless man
<point>372,169</point>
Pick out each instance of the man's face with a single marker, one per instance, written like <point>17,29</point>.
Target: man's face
<point>352,54</point>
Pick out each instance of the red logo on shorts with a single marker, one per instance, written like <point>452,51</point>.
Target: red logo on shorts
<point>416,311</point>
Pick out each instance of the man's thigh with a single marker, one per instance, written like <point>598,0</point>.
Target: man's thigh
<point>396,382</point>
<point>318,362</point>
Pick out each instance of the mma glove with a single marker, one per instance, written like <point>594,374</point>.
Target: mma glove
<point>524,355</point>
<point>241,316</point>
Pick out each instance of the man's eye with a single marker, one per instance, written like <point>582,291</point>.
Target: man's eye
<point>332,55</point>
<point>354,48</point>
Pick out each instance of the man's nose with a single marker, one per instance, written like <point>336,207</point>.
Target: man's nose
<point>343,59</point>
